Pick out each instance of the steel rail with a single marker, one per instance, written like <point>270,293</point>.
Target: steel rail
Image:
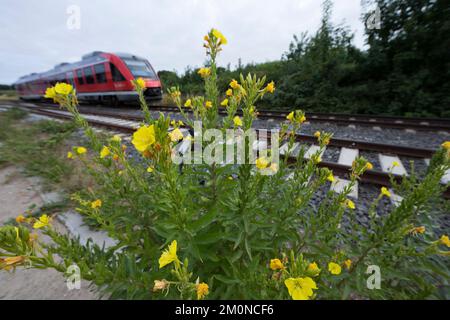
<point>370,176</point>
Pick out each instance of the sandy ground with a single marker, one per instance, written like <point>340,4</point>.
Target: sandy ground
<point>17,193</point>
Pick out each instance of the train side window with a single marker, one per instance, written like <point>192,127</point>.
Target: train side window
<point>89,75</point>
<point>80,76</point>
<point>116,74</point>
<point>100,73</point>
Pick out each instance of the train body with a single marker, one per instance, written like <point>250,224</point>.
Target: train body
<point>98,77</point>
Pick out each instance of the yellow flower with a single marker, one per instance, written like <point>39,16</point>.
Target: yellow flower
<point>50,93</point>
<point>445,240</point>
<point>417,230</point>
<point>314,268</point>
<point>348,263</point>
<point>385,192</point>
<point>69,155</point>
<point>219,36</point>
<point>234,84</point>
<point>81,150</point>
<point>140,83</point>
<point>229,92</point>
<point>20,219</point>
<point>175,135</point>
<point>446,145</point>
<point>270,87</point>
<point>63,88</point>
<point>317,134</point>
<point>300,288</point>
<point>208,104</point>
<point>144,137</point>
<point>276,264</point>
<point>116,138</point>
<point>202,290</point>
<point>224,103</point>
<point>175,94</point>
<point>150,169</point>
<point>350,204</point>
<point>303,119</point>
<point>369,166</point>
<point>290,116</point>
<point>105,152</point>
<point>160,284</point>
<point>395,164</point>
<point>188,103</point>
<point>96,204</point>
<point>9,262</point>
<point>262,163</point>
<point>204,72</point>
<point>330,177</point>
<point>334,268</point>
<point>237,121</point>
<point>43,221</point>
<point>169,256</point>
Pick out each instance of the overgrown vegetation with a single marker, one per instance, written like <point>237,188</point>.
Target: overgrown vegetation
<point>35,146</point>
<point>404,71</point>
<point>216,230</point>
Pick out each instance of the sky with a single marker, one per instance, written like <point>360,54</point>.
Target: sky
<point>36,35</point>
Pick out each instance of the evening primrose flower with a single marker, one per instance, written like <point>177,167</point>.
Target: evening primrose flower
<point>20,218</point>
<point>204,72</point>
<point>385,192</point>
<point>69,155</point>
<point>160,284</point>
<point>105,152</point>
<point>140,82</point>
<point>150,169</point>
<point>317,134</point>
<point>276,264</point>
<point>116,138</point>
<point>395,164</point>
<point>330,177</point>
<point>81,150</point>
<point>445,240</point>
<point>350,204</point>
<point>43,221</point>
<point>50,93</point>
<point>229,92</point>
<point>270,87</point>
<point>314,268</point>
<point>144,137</point>
<point>446,145</point>
<point>224,103</point>
<point>96,204</point>
<point>202,290</point>
<point>208,104</point>
<point>262,163</point>
<point>417,230</point>
<point>300,288</point>
<point>369,166</point>
<point>188,103</point>
<point>219,36</point>
<point>175,135</point>
<point>290,116</point>
<point>348,264</point>
<point>334,268</point>
<point>63,88</point>
<point>169,255</point>
<point>237,121</point>
<point>234,84</point>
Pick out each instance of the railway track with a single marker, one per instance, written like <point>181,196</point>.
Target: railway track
<point>349,149</point>
<point>391,122</point>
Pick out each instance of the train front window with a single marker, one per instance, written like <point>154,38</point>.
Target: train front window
<point>140,68</point>
<point>116,75</point>
<point>88,75</point>
<point>100,73</point>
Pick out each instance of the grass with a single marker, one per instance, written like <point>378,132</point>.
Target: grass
<point>39,147</point>
<point>8,95</point>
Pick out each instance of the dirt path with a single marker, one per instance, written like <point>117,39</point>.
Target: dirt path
<point>17,193</point>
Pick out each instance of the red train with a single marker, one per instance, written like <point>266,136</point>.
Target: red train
<point>98,77</point>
